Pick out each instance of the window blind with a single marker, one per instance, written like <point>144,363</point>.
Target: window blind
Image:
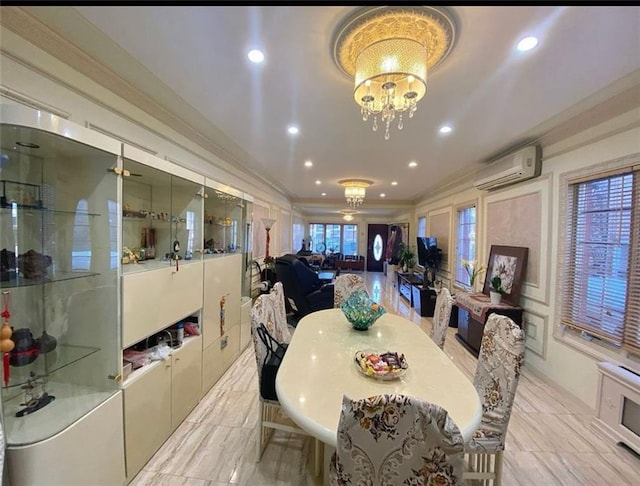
<point>601,261</point>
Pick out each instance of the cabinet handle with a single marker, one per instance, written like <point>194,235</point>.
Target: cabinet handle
<point>177,359</point>
<point>168,365</point>
<point>117,377</point>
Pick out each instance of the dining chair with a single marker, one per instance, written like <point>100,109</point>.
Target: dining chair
<point>496,380</point>
<point>441,315</point>
<point>345,285</point>
<point>269,310</point>
<point>277,292</point>
<point>396,439</point>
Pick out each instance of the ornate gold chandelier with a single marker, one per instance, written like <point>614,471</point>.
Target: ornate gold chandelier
<point>388,50</point>
<point>355,190</point>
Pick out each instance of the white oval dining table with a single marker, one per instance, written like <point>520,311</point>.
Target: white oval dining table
<point>318,369</point>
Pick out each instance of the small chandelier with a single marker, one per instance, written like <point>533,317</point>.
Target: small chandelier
<point>347,214</point>
<point>355,190</point>
<point>387,50</point>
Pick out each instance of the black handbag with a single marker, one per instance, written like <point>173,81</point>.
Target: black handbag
<point>275,353</point>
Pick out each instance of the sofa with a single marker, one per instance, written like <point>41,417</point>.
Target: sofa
<point>351,262</point>
<point>303,289</point>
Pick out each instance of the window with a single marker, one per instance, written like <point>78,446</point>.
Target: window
<point>114,260</point>
<point>466,242</point>
<point>81,247</point>
<point>422,226</point>
<point>602,258</point>
<point>334,238</point>
<point>298,236</point>
<point>350,240</point>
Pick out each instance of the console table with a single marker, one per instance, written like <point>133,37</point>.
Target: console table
<point>473,311</point>
<point>422,299</point>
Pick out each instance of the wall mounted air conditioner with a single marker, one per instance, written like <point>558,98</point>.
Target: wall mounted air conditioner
<point>518,166</point>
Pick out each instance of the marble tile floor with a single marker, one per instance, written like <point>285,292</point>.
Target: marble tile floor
<point>550,439</point>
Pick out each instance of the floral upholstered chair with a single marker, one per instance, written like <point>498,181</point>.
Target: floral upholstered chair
<point>441,315</point>
<point>496,380</point>
<point>396,440</point>
<point>344,286</point>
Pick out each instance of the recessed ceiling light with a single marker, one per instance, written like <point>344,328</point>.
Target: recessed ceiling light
<point>383,194</point>
<point>413,163</point>
<point>318,182</point>
<point>394,183</point>
<point>527,43</point>
<point>293,130</point>
<point>255,56</point>
<point>308,163</point>
<point>445,129</point>
<point>324,194</point>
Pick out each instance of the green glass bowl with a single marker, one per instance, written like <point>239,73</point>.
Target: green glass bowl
<point>361,311</point>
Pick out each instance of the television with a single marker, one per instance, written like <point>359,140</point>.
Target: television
<point>427,252</point>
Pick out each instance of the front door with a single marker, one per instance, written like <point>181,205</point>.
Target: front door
<point>376,243</point>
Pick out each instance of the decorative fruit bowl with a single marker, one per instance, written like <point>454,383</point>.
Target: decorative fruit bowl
<point>361,311</point>
<point>387,365</point>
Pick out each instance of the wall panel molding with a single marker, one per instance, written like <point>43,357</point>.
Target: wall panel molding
<point>522,217</point>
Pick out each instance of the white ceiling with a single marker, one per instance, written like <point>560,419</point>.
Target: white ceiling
<point>192,60</point>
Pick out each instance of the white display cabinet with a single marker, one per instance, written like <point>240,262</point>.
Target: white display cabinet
<point>162,227</point>
<point>59,238</point>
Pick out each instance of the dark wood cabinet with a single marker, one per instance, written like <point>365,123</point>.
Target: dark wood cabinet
<point>424,300</point>
<point>421,298</point>
<point>470,330</point>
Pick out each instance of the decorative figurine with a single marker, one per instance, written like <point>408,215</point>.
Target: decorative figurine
<point>6,343</point>
<point>33,402</point>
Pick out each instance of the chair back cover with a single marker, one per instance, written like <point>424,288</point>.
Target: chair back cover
<point>345,285</point>
<point>394,440</point>
<point>269,310</point>
<point>441,315</point>
<point>496,380</point>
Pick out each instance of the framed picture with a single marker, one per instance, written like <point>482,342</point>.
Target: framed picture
<point>510,264</point>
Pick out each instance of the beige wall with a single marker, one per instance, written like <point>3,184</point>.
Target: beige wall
<point>526,214</point>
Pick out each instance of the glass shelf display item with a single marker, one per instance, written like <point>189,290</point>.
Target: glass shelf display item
<point>161,213</point>
<point>59,265</point>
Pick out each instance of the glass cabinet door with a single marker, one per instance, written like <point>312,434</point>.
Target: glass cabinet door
<point>146,217</point>
<point>223,223</point>
<point>186,220</point>
<point>161,218</point>
<point>59,266</point>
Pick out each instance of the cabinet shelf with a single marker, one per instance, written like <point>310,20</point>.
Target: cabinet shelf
<point>62,356</point>
<point>34,210</point>
<point>58,277</point>
<point>71,400</point>
<point>154,220</point>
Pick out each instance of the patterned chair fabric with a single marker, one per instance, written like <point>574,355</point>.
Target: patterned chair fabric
<point>395,440</point>
<point>269,309</point>
<point>496,379</point>
<point>441,315</point>
<point>345,285</point>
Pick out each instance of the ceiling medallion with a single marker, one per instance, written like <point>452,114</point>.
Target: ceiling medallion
<point>387,50</point>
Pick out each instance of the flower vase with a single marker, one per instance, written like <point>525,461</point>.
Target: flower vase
<point>495,297</point>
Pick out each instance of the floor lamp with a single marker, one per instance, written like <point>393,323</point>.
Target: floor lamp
<point>268,223</point>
